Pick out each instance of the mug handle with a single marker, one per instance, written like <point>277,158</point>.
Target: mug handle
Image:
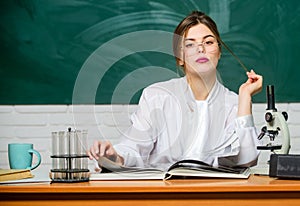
<point>38,158</point>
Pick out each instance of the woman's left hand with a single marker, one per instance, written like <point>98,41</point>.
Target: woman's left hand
<point>253,85</point>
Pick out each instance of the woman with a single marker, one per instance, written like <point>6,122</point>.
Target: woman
<point>193,117</point>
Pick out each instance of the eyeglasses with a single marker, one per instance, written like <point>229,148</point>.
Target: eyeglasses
<point>209,45</point>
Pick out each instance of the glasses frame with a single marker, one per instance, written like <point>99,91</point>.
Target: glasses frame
<point>208,45</point>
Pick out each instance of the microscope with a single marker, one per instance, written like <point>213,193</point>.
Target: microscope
<point>275,123</point>
<point>281,163</point>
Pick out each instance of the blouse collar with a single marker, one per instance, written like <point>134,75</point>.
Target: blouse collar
<point>190,99</point>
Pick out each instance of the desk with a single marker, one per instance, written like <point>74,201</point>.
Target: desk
<point>257,190</point>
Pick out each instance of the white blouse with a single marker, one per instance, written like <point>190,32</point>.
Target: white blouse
<point>197,147</point>
<point>169,125</point>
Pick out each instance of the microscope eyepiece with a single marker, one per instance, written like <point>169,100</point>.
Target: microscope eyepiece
<point>271,98</point>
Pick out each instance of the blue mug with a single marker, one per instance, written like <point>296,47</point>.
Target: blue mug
<point>20,156</point>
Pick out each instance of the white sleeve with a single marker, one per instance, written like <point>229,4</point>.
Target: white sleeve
<point>248,139</point>
<point>137,142</point>
<point>240,147</point>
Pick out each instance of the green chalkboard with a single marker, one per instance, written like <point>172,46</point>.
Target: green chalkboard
<point>102,52</point>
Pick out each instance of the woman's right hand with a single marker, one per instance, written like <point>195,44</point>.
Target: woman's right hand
<point>104,149</point>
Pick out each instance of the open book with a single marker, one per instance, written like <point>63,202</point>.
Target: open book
<point>180,169</point>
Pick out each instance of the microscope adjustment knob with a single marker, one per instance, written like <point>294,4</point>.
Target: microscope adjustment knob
<point>268,117</point>
<point>285,115</point>
<point>262,133</point>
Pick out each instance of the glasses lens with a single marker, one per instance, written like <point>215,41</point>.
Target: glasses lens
<point>209,45</point>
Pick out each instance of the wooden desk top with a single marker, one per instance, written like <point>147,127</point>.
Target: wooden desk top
<point>253,184</point>
<point>257,190</point>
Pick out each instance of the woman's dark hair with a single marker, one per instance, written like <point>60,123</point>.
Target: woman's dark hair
<point>196,17</point>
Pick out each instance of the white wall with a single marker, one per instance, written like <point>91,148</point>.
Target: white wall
<point>34,124</point>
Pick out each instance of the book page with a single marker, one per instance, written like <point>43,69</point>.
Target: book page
<point>189,172</point>
<point>119,172</point>
<point>129,175</point>
<point>114,167</point>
